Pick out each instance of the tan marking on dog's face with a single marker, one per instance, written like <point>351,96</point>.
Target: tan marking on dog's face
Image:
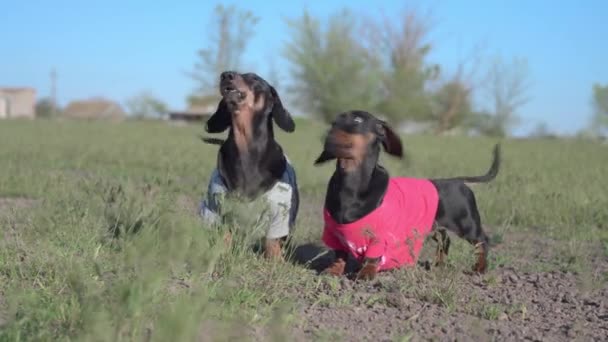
<point>243,115</point>
<point>351,148</point>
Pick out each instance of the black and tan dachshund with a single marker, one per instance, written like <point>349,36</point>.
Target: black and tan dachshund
<point>250,162</point>
<point>359,185</point>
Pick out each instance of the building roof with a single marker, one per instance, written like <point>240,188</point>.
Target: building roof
<point>195,110</point>
<point>16,89</point>
<point>94,108</point>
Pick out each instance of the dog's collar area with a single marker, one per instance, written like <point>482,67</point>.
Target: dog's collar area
<point>347,164</point>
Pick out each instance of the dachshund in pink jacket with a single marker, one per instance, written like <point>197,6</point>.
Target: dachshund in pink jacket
<point>382,221</point>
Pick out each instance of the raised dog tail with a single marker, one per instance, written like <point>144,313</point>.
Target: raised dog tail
<point>490,175</point>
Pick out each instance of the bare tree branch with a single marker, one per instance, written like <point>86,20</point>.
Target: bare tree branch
<point>453,98</point>
<point>507,88</point>
<point>227,44</point>
<point>400,49</point>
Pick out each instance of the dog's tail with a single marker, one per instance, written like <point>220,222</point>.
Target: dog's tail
<point>490,175</point>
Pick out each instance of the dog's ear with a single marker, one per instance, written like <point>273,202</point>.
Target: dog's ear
<point>212,141</point>
<point>390,140</point>
<point>324,157</point>
<point>220,120</point>
<point>279,114</point>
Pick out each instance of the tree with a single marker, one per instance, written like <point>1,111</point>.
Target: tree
<point>507,90</point>
<point>405,73</point>
<point>330,68</point>
<point>600,107</point>
<point>452,102</point>
<point>229,35</point>
<point>354,63</point>
<point>45,108</point>
<point>541,131</point>
<point>146,105</point>
<point>451,105</point>
<point>273,77</point>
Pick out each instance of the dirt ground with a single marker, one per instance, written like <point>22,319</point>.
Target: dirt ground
<point>510,303</point>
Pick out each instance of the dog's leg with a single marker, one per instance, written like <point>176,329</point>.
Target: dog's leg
<point>369,269</point>
<point>459,214</point>
<point>273,249</point>
<point>481,251</point>
<point>338,265</point>
<point>440,236</point>
<point>474,234</point>
<point>477,237</point>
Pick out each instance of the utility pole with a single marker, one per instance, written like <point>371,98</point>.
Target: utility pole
<point>54,91</point>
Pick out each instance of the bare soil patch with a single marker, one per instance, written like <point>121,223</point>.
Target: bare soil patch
<point>513,302</point>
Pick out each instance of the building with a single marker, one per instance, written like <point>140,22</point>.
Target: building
<point>17,103</point>
<point>94,109</point>
<point>200,109</point>
<point>192,114</point>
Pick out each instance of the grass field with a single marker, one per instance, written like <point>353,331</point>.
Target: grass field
<point>66,188</point>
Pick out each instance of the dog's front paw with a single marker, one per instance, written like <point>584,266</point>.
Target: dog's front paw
<point>368,272</point>
<point>480,268</point>
<point>336,268</point>
<point>273,250</point>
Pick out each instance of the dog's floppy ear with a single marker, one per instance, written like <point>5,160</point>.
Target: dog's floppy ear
<point>324,157</point>
<point>279,114</point>
<point>212,141</point>
<point>220,120</point>
<point>390,140</point>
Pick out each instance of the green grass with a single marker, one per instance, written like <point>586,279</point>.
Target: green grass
<point>64,275</point>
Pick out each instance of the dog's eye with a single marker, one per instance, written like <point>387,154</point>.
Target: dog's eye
<point>358,119</point>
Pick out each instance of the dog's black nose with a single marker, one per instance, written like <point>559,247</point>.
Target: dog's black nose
<point>227,75</point>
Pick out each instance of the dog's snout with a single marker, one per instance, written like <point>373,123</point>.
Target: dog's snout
<point>338,139</point>
<point>228,76</point>
<point>229,81</point>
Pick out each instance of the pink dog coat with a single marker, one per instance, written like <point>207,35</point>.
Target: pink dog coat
<point>393,232</point>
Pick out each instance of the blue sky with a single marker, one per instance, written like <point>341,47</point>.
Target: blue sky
<point>119,48</point>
